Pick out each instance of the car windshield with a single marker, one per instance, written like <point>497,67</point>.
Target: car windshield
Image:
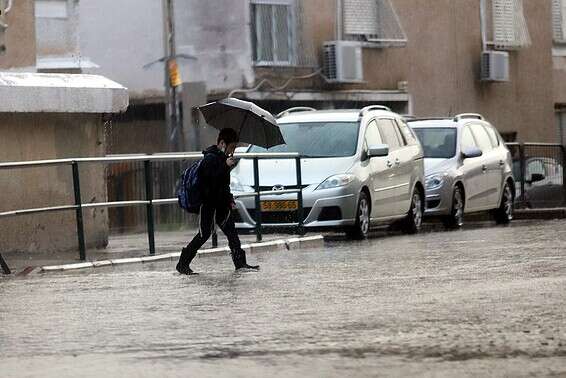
<point>317,139</point>
<point>437,142</point>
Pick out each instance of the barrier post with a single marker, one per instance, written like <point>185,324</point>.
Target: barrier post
<point>149,207</point>
<point>257,201</point>
<point>4,266</point>
<point>300,210</point>
<point>522,165</point>
<point>79,211</point>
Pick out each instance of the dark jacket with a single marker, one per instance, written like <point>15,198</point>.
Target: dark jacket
<point>215,178</point>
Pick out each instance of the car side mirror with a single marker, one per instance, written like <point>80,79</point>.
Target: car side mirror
<point>378,150</point>
<point>536,177</point>
<point>471,152</point>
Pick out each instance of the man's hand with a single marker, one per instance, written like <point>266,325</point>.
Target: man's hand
<point>231,162</point>
<point>233,205</point>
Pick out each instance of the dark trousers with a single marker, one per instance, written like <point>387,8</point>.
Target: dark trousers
<point>209,215</point>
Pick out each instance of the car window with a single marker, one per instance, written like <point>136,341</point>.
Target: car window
<point>437,142</point>
<point>388,130</point>
<point>482,138</point>
<point>408,134</point>
<point>535,166</point>
<point>372,135</point>
<point>468,140</point>
<point>492,135</point>
<point>317,139</point>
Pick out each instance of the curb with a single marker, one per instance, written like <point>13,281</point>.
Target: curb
<point>552,213</point>
<point>270,246</point>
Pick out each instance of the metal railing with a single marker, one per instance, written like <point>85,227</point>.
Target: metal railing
<point>149,202</point>
<point>539,170</point>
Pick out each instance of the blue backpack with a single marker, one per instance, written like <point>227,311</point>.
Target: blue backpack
<point>188,191</point>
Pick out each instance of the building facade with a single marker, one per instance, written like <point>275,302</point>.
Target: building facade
<point>418,57</point>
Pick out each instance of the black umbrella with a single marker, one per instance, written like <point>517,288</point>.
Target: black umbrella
<point>254,124</point>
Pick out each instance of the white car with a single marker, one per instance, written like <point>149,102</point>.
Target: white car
<point>360,168</point>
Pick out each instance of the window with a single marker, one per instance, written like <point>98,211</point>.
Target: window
<point>468,140</point>
<point>510,29</point>
<point>492,135</point>
<point>387,130</point>
<point>51,9</point>
<point>407,133</point>
<point>437,142</point>
<point>482,138</point>
<point>559,21</point>
<point>372,135</point>
<point>272,26</point>
<point>373,21</point>
<point>317,139</point>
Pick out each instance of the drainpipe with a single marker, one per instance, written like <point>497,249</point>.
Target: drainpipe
<point>483,25</point>
<point>339,20</point>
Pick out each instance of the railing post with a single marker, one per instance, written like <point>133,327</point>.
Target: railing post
<point>79,211</point>
<point>523,168</point>
<point>149,207</point>
<point>300,210</point>
<point>257,201</point>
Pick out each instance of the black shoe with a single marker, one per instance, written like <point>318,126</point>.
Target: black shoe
<point>185,270</point>
<point>246,266</point>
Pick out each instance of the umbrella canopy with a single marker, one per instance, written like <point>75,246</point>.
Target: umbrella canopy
<point>254,124</point>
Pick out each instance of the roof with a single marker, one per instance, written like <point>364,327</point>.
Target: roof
<point>61,93</point>
<point>342,115</point>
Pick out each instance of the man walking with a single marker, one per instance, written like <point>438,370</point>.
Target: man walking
<point>217,202</point>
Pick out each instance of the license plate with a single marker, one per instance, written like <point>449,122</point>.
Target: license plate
<point>279,205</point>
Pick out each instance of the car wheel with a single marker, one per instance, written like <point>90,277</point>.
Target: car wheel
<point>414,219</point>
<point>361,229</point>
<point>504,213</point>
<point>456,218</point>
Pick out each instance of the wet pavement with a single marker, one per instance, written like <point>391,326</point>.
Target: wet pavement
<point>478,302</point>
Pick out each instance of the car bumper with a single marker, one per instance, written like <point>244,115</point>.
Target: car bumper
<point>329,208</point>
<point>439,201</point>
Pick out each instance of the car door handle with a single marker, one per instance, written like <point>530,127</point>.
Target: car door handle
<point>501,163</point>
<point>484,168</point>
<point>397,161</point>
<point>389,164</point>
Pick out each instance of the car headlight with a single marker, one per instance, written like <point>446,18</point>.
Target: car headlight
<point>434,181</point>
<point>236,186</point>
<point>336,181</point>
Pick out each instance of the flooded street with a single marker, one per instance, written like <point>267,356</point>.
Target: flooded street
<point>479,302</point>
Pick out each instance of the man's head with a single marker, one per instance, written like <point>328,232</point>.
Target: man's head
<point>227,140</point>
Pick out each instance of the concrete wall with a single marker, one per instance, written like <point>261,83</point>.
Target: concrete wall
<point>19,38</point>
<point>59,35</point>
<point>48,136</point>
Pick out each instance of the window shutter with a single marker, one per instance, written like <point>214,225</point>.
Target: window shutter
<point>509,24</point>
<point>360,17</point>
<point>557,31</point>
<point>373,21</point>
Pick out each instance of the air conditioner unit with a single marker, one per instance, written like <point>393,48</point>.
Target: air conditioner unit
<point>343,61</point>
<point>495,66</point>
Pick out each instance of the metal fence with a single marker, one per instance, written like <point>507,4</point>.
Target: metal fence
<point>539,171</point>
<point>145,164</point>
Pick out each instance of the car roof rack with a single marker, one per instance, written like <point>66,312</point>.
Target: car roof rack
<point>295,110</point>
<point>416,119</point>
<point>468,115</point>
<point>373,107</point>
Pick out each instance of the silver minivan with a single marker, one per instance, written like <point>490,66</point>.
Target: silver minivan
<point>468,168</point>
<point>360,168</point>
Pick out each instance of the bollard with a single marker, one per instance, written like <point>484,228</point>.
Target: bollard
<point>522,164</point>
<point>4,266</point>
<point>214,237</point>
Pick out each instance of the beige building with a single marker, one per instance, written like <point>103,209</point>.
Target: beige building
<point>17,34</point>
<point>420,57</point>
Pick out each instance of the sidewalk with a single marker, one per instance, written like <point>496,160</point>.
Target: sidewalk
<point>123,247</point>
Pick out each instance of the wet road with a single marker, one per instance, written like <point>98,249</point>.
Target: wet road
<point>478,302</point>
